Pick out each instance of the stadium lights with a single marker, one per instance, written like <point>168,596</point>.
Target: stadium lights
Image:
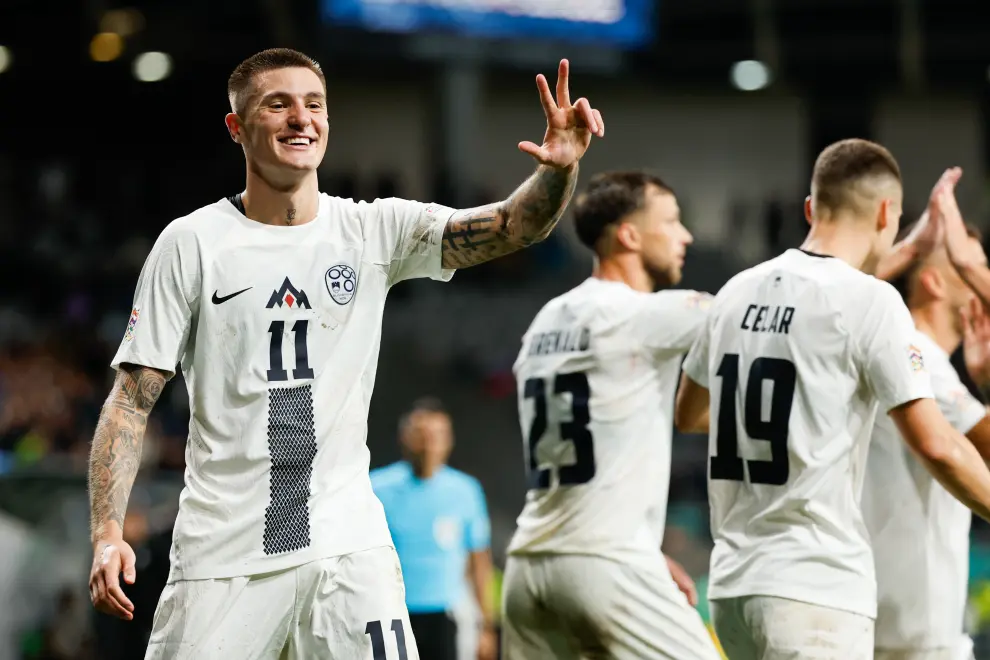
<point>4,58</point>
<point>125,22</point>
<point>750,75</point>
<point>152,67</point>
<point>106,47</point>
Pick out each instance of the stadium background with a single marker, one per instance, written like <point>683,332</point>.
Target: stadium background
<point>101,145</point>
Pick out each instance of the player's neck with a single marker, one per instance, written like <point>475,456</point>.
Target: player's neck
<point>424,470</point>
<point>844,241</point>
<point>628,271</point>
<point>939,325</point>
<point>293,205</point>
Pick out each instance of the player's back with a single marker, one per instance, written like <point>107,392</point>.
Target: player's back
<point>596,377</point>
<point>791,357</point>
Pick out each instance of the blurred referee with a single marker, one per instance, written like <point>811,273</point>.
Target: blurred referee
<point>439,524</point>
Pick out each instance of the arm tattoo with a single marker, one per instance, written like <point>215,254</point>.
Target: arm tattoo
<point>474,236</point>
<point>116,452</point>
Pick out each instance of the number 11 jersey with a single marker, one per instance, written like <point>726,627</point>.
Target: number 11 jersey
<point>799,354</point>
<point>596,377</point>
<point>277,330</point>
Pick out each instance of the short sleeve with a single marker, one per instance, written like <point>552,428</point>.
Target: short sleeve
<point>960,407</point>
<point>672,320</point>
<point>478,529</point>
<point>696,363</point>
<point>408,237</point>
<point>890,357</point>
<point>164,305</point>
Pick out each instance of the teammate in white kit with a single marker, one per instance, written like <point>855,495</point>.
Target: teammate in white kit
<point>799,352</point>
<point>272,302</point>
<point>597,373</point>
<point>919,532</point>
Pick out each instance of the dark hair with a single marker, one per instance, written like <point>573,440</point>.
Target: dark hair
<point>609,198</point>
<point>427,404</point>
<point>267,60</point>
<point>905,281</point>
<point>842,166</point>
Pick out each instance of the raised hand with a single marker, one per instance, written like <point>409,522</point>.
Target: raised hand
<point>569,127</point>
<point>976,342</point>
<point>930,230</point>
<point>956,236</point>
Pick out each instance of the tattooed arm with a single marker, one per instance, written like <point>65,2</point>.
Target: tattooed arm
<point>474,236</point>
<point>116,450</point>
<point>113,464</point>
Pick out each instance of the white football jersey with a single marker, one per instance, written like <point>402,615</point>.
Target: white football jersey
<point>798,353</point>
<point>596,377</point>
<point>277,329</point>
<point>919,531</point>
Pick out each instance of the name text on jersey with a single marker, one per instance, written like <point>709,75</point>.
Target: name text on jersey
<point>768,318</point>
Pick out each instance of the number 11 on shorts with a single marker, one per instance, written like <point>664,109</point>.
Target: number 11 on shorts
<point>374,628</point>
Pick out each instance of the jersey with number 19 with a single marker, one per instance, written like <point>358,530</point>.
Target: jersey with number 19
<point>277,329</point>
<point>799,354</point>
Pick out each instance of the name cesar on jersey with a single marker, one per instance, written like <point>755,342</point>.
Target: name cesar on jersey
<point>560,341</point>
<point>755,319</point>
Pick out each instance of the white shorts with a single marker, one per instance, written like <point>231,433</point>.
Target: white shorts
<point>575,606</point>
<point>961,651</point>
<point>349,607</point>
<point>769,628</point>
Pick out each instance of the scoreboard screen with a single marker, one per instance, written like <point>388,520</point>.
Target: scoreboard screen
<point>622,23</point>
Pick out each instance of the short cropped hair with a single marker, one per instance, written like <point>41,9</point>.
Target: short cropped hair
<point>904,283</point>
<point>426,404</point>
<point>610,198</point>
<point>267,60</point>
<point>843,167</point>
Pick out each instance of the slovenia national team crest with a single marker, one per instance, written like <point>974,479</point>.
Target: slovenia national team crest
<point>341,283</point>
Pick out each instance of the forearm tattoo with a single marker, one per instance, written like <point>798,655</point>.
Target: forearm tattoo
<point>528,216</point>
<point>116,452</point>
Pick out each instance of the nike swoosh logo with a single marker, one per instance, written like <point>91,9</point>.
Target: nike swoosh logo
<point>217,300</point>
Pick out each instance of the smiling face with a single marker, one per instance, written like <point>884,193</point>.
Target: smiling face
<point>282,124</point>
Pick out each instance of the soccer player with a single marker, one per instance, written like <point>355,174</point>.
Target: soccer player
<point>799,352</point>
<point>597,373</point>
<point>919,532</point>
<point>272,302</point>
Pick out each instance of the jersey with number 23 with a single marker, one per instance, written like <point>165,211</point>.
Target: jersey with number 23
<point>596,374</point>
